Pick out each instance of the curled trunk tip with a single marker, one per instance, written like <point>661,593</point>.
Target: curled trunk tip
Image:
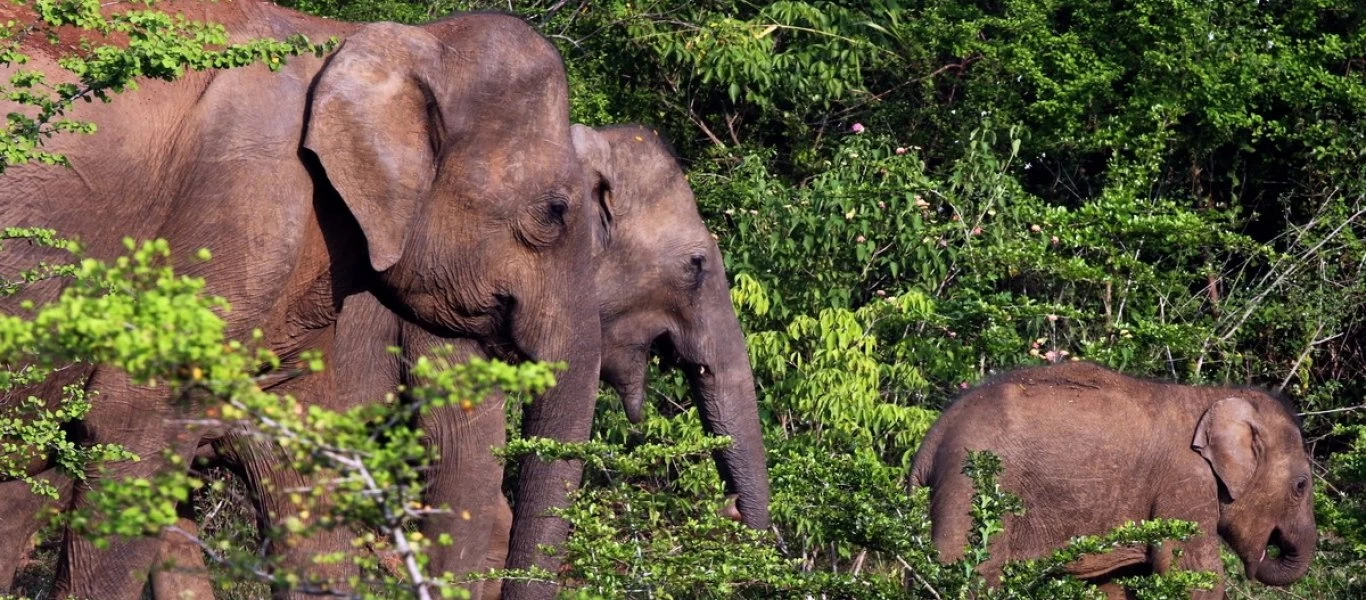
<point>1292,564</point>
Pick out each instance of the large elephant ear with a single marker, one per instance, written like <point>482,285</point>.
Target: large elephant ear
<point>595,154</point>
<point>1227,436</point>
<point>374,126</point>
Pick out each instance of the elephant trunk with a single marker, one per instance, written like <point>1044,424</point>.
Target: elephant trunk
<point>1296,547</point>
<point>723,388</point>
<point>565,414</point>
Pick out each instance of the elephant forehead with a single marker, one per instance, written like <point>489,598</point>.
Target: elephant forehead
<point>513,157</point>
<point>667,235</point>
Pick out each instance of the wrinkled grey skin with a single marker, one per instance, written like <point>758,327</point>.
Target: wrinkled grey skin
<point>648,251</point>
<point>431,167</point>
<point>1088,449</point>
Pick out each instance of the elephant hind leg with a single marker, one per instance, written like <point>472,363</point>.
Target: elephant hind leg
<point>142,421</point>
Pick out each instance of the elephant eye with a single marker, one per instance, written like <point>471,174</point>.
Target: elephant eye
<point>543,222</point>
<point>555,209</point>
<point>698,262</point>
<point>698,269</point>
<point>1301,485</point>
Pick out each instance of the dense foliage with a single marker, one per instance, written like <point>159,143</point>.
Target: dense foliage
<point>914,195</point>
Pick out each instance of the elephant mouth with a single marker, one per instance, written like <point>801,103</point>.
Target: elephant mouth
<point>502,344</point>
<point>1282,561</point>
<point>1275,546</point>
<point>625,369</point>
<point>669,356</point>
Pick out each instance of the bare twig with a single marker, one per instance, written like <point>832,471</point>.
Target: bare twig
<point>917,577</point>
<point>1293,268</point>
<point>1300,359</point>
<point>1334,410</point>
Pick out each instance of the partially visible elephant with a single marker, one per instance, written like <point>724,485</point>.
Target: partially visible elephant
<point>1088,449</point>
<point>662,286</point>
<point>431,167</point>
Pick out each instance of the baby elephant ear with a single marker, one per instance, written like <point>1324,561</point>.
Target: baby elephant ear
<point>595,156</point>
<point>1227,436</point>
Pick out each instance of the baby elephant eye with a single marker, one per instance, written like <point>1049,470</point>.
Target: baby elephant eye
<point>694,272</point>
<point>1301,484</point>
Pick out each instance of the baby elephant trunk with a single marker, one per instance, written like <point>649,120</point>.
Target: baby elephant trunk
<point>1296,545</point>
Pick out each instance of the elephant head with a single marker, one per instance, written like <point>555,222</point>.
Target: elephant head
<point>662,288</point>
<point>461,176</point>
<point>1253,444</point>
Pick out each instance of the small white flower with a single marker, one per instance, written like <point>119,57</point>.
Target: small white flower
<point>1210,36</point>
<point>1029,166</point>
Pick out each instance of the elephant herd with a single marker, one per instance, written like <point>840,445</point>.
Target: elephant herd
<point>423,185</point>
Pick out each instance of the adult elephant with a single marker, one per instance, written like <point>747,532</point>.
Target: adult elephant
<point>1088,449</point>
<point>429,166</point>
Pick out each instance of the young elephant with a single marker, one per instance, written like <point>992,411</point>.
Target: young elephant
<point>1087,449</point>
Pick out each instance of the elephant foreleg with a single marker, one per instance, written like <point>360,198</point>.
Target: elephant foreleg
<point>180,573</point>
<point>1200,553</point>
<point>500,530</point>
<point>142,421</point>
<point>466,478</point>
<point>467,481</point>
<point>274,484</point>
